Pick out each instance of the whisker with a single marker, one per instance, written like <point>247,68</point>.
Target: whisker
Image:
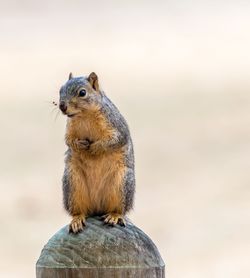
<point>57,114</point>
<point>53,110</point>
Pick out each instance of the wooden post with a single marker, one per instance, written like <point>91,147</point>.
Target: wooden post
<point>100,251</point>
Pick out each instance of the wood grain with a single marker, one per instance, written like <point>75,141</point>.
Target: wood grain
<point>100,251</point>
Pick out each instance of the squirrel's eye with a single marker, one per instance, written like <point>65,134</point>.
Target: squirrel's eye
<point>82,93</point>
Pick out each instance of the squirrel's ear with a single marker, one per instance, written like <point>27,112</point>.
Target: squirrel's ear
<point>93,80</point>
<point>70,75</point>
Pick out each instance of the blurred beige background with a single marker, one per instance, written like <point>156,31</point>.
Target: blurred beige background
<point>180,73</point>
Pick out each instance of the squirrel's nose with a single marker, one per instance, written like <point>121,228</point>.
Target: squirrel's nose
<point>63,106</point>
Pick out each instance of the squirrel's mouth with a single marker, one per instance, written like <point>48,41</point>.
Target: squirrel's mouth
<point>70,115</point>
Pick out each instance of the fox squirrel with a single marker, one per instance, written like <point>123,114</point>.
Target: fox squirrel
<point>99,174</point>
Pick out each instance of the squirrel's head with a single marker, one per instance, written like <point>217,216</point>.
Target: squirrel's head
<point>79,94</point>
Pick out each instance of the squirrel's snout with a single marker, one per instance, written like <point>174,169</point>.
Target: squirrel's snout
<point>63,106</point>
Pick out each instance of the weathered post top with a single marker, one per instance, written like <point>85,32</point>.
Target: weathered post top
<point>100,251</point>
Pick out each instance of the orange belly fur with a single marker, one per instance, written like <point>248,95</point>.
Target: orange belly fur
<point>96,180</point>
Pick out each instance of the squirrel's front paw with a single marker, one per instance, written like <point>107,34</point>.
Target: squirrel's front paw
<point>77,224</point>
<point>83,144</point>
<point>96,148</point>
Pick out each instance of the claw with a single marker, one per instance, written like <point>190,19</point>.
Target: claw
<point>113,219</point>
<point>122,222</point>
<point>77,224</point>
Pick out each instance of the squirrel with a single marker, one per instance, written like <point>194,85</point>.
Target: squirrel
<point>99,176</point>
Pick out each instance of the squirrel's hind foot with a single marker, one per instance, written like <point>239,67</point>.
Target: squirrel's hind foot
<point>77,224</point>
<point>113,219</point>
